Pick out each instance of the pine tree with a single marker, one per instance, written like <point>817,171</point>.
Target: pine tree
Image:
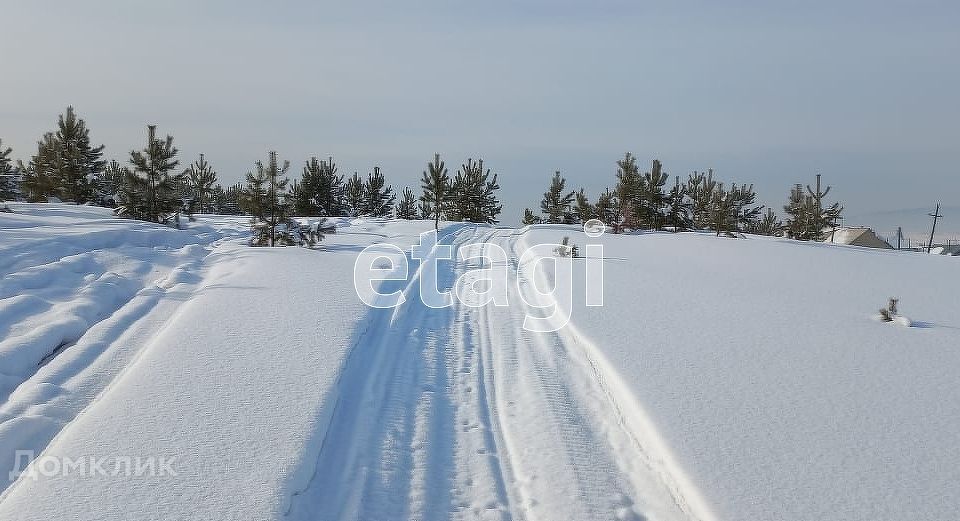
<point>473,194</point>
<point>583,211</point>
<point>463,189</point>
<point>653,199</point>
<point>253,199</point>
<point>797,225</point>
<point>769,224</point>
<point>109,184</point>
<point>723,210</point>
<point>377,199</point>
<point>81,162</point>
<point>300,200</point>
<point>266,198</point>
<point>823,218</point>
<point>746,212</point>
<point>629,191</point>
<point>678,207</point>
<point>232,198</point>
<point>218,199</point>
<point>488,202</point>
<point>807,217</point>
<point>303,193</point>
<point>530,218</point>
<point>435,184</point>
<point>9,179</point>
<point>40,176</point>
<point>329,192</point>
<point>200,179</point>
<point>606,208</point>
<point>556,201</point>
<point>150,190</point>
<point>353,196</point>
<point>407,207</point>
<point>320,190</point>
<point>700,189</point>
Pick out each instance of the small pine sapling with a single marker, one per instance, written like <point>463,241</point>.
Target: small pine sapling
<point>889,313</point>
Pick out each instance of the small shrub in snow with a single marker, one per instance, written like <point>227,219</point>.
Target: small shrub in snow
<point>890,312</point>
<point>565,249</point>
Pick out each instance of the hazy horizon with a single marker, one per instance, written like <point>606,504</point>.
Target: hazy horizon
<point>763,93</point>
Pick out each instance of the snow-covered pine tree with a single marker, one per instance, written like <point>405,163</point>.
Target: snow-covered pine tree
<point>530,218</point>
<point>81,161</point>
<point>150,188</point>
<point>377,198</point>
<point>797,225</point>
<point>435,184</point>
<point>556,201</point>
<point>583,211</point>
<point>9,177</point>
<point>353,196</point>
<point>407,207</point>
<point>200,178</point>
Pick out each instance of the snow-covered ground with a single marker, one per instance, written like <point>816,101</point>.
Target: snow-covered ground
<point>721,379</point>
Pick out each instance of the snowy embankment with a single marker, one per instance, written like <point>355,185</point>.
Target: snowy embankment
<point>775,389</point>
<point>232,383</point>
<point>81,293</point>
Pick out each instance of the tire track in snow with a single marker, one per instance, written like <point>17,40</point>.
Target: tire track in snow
<point>459,413</point>
<point>76,375</point>
<point>395,447</point>
<point>567,448</point>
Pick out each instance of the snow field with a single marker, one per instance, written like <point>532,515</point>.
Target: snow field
<point>722,379</point>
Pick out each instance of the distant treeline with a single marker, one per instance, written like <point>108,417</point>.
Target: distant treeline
<point>150,185</point>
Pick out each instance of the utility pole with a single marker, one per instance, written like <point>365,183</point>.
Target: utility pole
<point>936,215</point>
<point>899,236</point>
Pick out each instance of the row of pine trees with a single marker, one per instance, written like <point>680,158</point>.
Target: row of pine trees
<point>647,201</point>
<point>152,187</point>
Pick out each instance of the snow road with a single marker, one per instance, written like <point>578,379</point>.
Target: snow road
<point>415,413</point>
<point>460,413</point>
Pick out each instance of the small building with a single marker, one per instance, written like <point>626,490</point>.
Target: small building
<point>856,236</point>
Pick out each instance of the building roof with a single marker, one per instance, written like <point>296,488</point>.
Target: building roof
<point>856,236</point>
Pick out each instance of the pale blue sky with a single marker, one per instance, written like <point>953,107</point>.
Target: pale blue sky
<point>763,92</point>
